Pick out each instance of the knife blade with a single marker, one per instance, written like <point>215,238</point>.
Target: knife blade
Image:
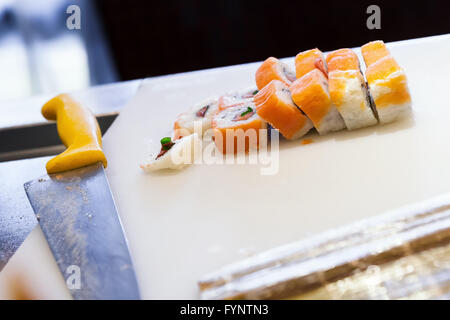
<point>76,210</point>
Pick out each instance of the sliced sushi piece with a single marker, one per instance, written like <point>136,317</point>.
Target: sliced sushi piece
<point>201,113</point>
<point>348,89</point>
<point>273,69</point>
<point>237,98</point>
<point>174,154</point>
<point>310,93</point>
<point>387,83</point>
<point>274,104</point>
<point>309,60</point>
<point>236,129</point>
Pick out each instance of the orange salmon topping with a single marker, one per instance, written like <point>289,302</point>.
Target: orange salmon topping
<point>399,93</point>
<point>270,70</point>
<point>281,113</point>
<point>386,72</point>
<point>309,60</point>
<point>374,51</point>
<point>342,59</point>
<point>381,69</point>
<point>337,83</point>
<point>311,94</point>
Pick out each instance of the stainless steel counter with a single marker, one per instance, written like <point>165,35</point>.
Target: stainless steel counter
<point>16,216</point>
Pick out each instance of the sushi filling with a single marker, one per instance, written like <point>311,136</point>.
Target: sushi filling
<point>290,75</point>
<point>234,116</point>
<point>319,64</point>
<point>244,115</point>
<point>166,145</point>
<point>202,112</point>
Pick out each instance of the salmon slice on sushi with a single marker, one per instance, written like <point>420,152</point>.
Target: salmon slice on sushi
<point>374,51</point>
<point>342,60</point>
<point>348,91</point>
<point>201,113</point>
<point>387,83</point>
<point>274,104</point>
<point>310,93</point>
<point>237,129</point>
<point>273,69</point>
<point>309,60</point>
<point>236,98</point>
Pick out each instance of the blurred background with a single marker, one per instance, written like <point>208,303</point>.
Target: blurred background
<point>123,40</point>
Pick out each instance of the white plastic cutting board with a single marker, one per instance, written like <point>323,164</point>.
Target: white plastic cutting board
<point>185,224</point>
<point>181,225</point>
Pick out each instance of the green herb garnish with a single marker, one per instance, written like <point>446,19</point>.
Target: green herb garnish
<point>166,144</point>
<point>165,140</point>
<point>255,92</point>
<point>247,111</point>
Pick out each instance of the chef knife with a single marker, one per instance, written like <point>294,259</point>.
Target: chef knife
<point>76,210</point>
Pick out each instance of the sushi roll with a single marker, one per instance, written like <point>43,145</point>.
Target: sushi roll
<point>310,93</point>
<point>201,113</point>
<point>348,89</point>
<point>387,82</point>
<point>309,60</point>
<point>236,98</point>
<point>273,69</point>
<point>174,154</point>
<point>274,104</point>
<point>236,129</point>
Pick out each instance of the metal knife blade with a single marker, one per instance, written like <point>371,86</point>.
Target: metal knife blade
<point>77,214</point>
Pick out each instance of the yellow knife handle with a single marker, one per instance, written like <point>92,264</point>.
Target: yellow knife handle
<point>79,131</point>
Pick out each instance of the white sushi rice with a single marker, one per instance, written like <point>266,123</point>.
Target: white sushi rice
<point>182,153</point>
<point>394,112</point>
<point>229,119</point>
<point>240,96</point>
<point>286,72</point>
<point>331,122</point>
<point>355,108</point>
<point>225,118</point>
<point>188,119</point>
<point>304,130</point>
